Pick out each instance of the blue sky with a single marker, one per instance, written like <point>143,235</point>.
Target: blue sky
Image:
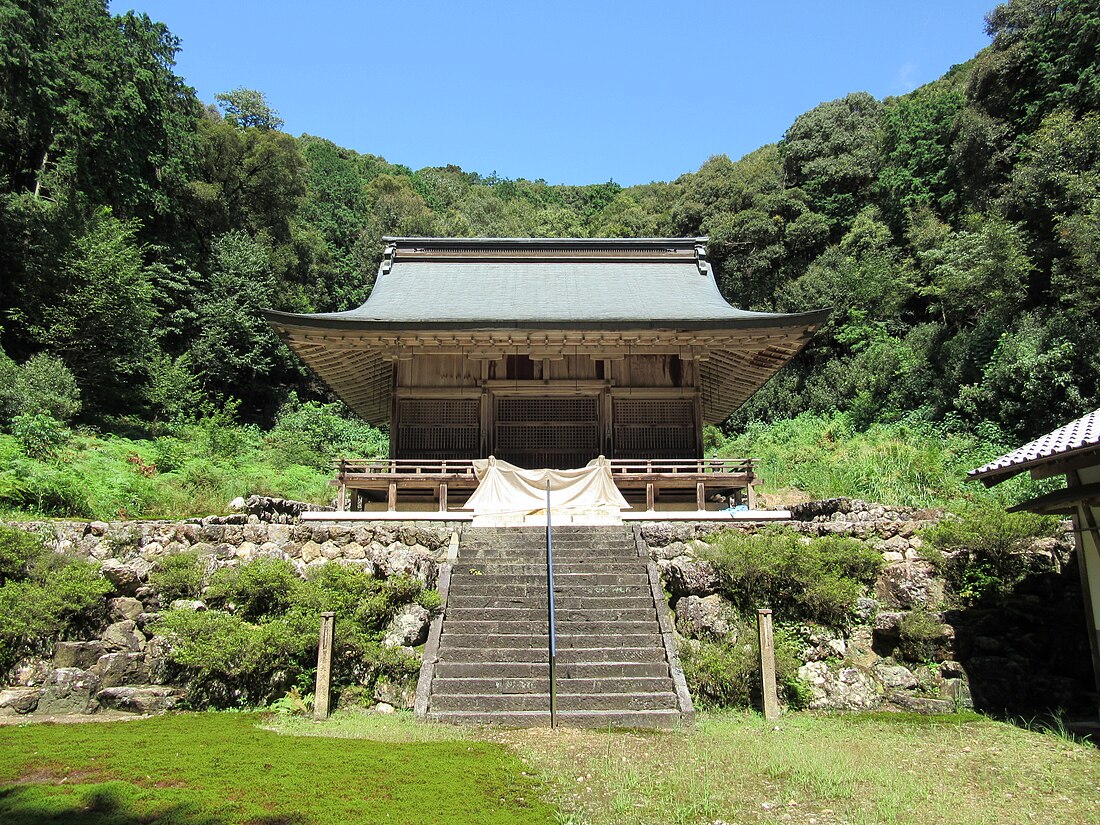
<point>572,92</point>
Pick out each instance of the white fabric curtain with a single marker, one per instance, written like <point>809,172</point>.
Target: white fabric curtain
<point>506,488</point>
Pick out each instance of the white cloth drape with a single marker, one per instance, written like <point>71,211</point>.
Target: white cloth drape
<point>506,488</point>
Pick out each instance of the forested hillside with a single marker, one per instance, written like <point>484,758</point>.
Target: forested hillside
<point>954,230</point>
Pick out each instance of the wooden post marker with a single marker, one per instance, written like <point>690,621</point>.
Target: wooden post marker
<point>324,667</point>
<point>767,665</point>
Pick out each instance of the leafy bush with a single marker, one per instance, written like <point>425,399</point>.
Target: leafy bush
<point>40,433</point>
<point>262,589</point>
<point>987,547</point>
<point>179,576</point>
<point>18,549</point>
<point>45,596</point>
<point>727,673</point>
<point>817,581</point>
<point>919,632</point>
<point>313,434</point>
<point>269,641</point>
<point>43,385</point>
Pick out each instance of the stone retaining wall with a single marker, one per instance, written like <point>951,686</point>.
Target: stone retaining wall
<point>1030,653</point>
<point>1025,657</point>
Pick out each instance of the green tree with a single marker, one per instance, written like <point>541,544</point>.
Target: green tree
<point>248,109</point>
<point>831,152</point>
<point>102,326</point>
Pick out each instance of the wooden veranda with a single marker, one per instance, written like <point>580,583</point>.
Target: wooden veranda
<point>446,485</point>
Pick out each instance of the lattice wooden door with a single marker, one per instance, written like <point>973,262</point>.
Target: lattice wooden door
<point>650,428</point>
<point>432,429</point>
<point>560,433</point>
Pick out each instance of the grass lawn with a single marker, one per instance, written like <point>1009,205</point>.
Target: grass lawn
<point>812,769</point>
<point>215,768</point>
<point>731,768</point>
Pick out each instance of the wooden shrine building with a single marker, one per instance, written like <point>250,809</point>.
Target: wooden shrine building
<point>543,353</point>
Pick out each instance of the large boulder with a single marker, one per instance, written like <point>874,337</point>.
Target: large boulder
<point>910,584</point>
<point>126,577</point>
<point>704,617</point>
<point>77,654</point>
<point>140,698</point>
<point>18,701</point>
<point>685,576</point>
<point>846,688</point>
<point>124,607</point>
<point>400,559</point>
<point>660,533</point>
<point>397,694</point>
<point>408,628</point>
<point>114,669</point>
<point>123,636</point>
<point>69,690</point>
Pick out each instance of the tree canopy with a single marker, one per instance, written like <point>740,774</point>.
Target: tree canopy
<point>955,230</point>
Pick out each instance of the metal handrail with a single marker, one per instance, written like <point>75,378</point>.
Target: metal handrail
<point>550,614</point>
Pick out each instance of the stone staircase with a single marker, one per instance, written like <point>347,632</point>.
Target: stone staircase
<point>486,657</point>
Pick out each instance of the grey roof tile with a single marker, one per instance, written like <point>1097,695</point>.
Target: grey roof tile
<point>1080,434</point>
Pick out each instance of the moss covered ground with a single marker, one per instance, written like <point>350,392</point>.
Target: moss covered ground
<point>730,768</point>
<point>215,768</point>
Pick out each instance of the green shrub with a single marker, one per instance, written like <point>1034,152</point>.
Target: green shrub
<point>919,632</point>
<point>42,385</point>
<point>313,434</point>
<point>259,590</point>
<point>18,549</point>
<point>40,433</point>
<point>179,576</point>
<point>252,655</point>
<point>913,462</point>
<point>45,597</point>
<point>724,674</point>
<point>818,581</point>
<point>992,561</point>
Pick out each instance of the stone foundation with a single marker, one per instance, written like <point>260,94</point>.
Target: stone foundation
<point>1025,657</point>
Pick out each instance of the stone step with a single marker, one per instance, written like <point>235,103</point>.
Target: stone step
<point>601,610</point>
<point>565,670</point>
<point>541,684</point>
<point>661,719</point>
<point>539,557</point>
<point>565,702</point>
<point>538,602</point>
<point>562,545</point>
<point>636,579</point>
<point>534,590</point>
<point>538,569</point>
<point>607,641</point>
<point>538,626</point>
<point>652,652</point>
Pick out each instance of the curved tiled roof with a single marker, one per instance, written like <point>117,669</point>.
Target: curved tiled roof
<point>1082,434</point>
<point>593,293</point>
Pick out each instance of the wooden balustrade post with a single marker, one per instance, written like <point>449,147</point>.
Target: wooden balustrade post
<point>323,686</point>
<point>767,665</point>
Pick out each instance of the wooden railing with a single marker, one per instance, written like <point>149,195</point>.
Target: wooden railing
<point>648,474</point>
<point>347,467</point>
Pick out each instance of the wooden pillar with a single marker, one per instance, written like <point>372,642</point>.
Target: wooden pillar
<point>767,665</point>
<point>649,496</point>
<point>342,495</point>
<point>1086,537</point>
<point>750,492</point>
<point>443,496</point>
<point>323,687</point>
<point>700,496</point>
<point>391,497</point>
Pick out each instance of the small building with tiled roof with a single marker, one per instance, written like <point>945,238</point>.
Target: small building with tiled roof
<point>1072,451</point>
